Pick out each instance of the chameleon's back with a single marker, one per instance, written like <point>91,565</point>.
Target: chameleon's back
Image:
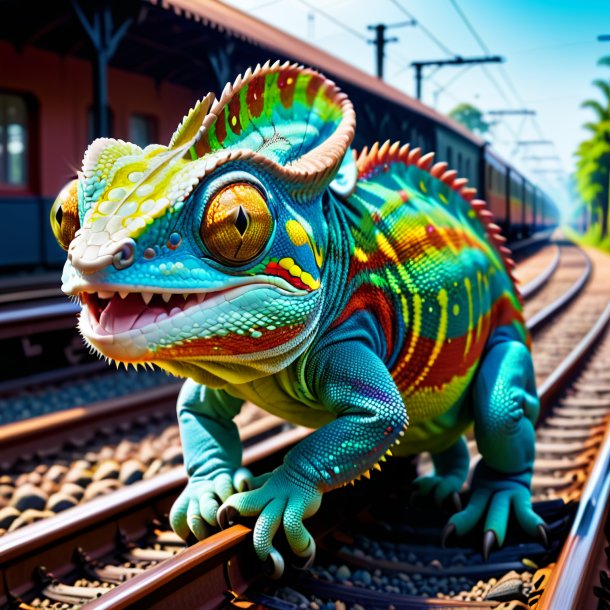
<point>430,271</point>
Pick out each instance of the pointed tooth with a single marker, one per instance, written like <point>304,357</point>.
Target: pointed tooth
<point>185,295</point>
<point>166,296</point>
<point>106,294</point>
<point>123,293</point>
<point>147,296</point>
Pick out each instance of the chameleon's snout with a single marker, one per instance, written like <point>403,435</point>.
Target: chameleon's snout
<point>90,259</point>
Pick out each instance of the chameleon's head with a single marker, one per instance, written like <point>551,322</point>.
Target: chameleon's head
<point>206,257</point>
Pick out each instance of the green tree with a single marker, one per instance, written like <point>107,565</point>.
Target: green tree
<point>471,117</point>
<point>593,157</point>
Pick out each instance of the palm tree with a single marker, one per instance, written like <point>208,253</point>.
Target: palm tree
<point>593,157</point>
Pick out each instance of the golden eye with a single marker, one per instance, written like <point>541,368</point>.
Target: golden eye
<point>64,214</point>
<point>236,224</point>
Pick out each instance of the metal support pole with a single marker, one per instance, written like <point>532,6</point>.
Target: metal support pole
<point>105,40</point>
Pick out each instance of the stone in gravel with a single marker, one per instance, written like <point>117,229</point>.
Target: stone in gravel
<point>339,605</point>
<point>49,487</point>
<point>154,469</point>
<point>7,515</point>
<point>509,587</point>
<point>343,573</point>
<point>42,468</point>
<point>172,455</point>
<point>363,576</point>
<point>6,479</point>
<point>56,473</point>
<point>131,471</point>
<point>123,451</point>
<point>29,496</point>
<point>35,478</point>
<point>29,516</point>
<point>72,489</point>
<point>101,488</point>
<point>79,476</point>
<point>109,469</point>
<point>6,491</point>
<point>59,501</point>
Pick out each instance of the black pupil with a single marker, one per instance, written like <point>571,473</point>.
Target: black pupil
<point>59,215</point>
<point>241,221</point>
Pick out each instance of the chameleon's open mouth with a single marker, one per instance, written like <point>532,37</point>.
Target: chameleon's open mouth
<point>111,313</point>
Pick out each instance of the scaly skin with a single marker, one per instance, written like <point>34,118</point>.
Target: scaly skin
<point>367,297</point>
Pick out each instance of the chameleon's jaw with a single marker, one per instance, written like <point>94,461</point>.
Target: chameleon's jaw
<point>150,327</point>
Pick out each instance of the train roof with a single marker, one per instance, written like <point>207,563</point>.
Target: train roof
<point>255,31</point>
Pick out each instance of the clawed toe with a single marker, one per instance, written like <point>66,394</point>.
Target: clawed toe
<point>489,541</point>
<point>274,565</point>
<point>448,532</point>
<point>542,529</point>
<point>227,516</point>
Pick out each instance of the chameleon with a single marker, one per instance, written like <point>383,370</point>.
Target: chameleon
<point>368,296</point>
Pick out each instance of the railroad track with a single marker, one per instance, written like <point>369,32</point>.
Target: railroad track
<point>12,556</point>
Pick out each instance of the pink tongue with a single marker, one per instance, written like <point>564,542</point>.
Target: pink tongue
<point>120,314</point>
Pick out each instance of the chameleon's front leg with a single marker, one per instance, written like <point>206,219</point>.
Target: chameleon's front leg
<point>212,456</point>
<point>355,385</point>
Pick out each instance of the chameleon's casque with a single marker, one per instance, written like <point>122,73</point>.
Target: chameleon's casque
<point>368,295</point>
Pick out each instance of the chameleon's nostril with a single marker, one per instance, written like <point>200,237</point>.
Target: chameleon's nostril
<point>125,256</point>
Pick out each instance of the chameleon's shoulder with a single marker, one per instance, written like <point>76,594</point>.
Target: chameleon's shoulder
<point>380,164</point>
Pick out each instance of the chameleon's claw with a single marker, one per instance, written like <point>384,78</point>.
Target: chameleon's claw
<point>448,531</point>
<point>489,540</point>
<point>227,516</point>
<point>274,564</point>
<point>456,501</point>
<point>544,535</point>
<point>305,559</point>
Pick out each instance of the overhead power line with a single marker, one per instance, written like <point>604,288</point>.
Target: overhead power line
<point>456,61</point>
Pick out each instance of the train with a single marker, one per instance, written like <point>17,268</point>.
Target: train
<point>48,93</point>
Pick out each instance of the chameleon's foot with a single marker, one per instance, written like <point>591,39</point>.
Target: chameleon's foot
<point>443,490</point>
<point>195,510</point>
<point>495,494</point>
<point>285,499</point>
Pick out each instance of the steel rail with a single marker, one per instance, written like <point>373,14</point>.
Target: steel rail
<point>540,318</point>
<point>94,525</point>
<point>532,287</point>
<point>567,585</point>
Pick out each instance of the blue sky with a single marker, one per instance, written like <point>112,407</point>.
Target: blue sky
<point>551,51</point>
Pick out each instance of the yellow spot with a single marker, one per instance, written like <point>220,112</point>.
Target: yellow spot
<point>286,263</point>
<point>233,120</point>
<point>295,270</point>
<point>468,287</point>
<point>456,310</point>
<point>360,255</point>
<point>422,187</point>
<point>289,80</point>
<point>308,280</point>
<point>299,237</point>
<point>442,197</point>
<point>443,301</point>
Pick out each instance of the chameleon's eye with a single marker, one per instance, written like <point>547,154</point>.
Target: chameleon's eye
<point>64,214</point>
<point>236,224</point>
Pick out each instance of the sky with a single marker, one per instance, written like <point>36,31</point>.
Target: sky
<point>550,49</point>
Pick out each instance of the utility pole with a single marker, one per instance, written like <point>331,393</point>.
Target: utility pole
<point>456,61</point>
<point>380,40</point>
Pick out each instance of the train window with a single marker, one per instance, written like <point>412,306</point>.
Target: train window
<point>449,156</point>
<point>142,129</point>
<point>467,168</point>
<point>14,141</point>
<point>459,163</point>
